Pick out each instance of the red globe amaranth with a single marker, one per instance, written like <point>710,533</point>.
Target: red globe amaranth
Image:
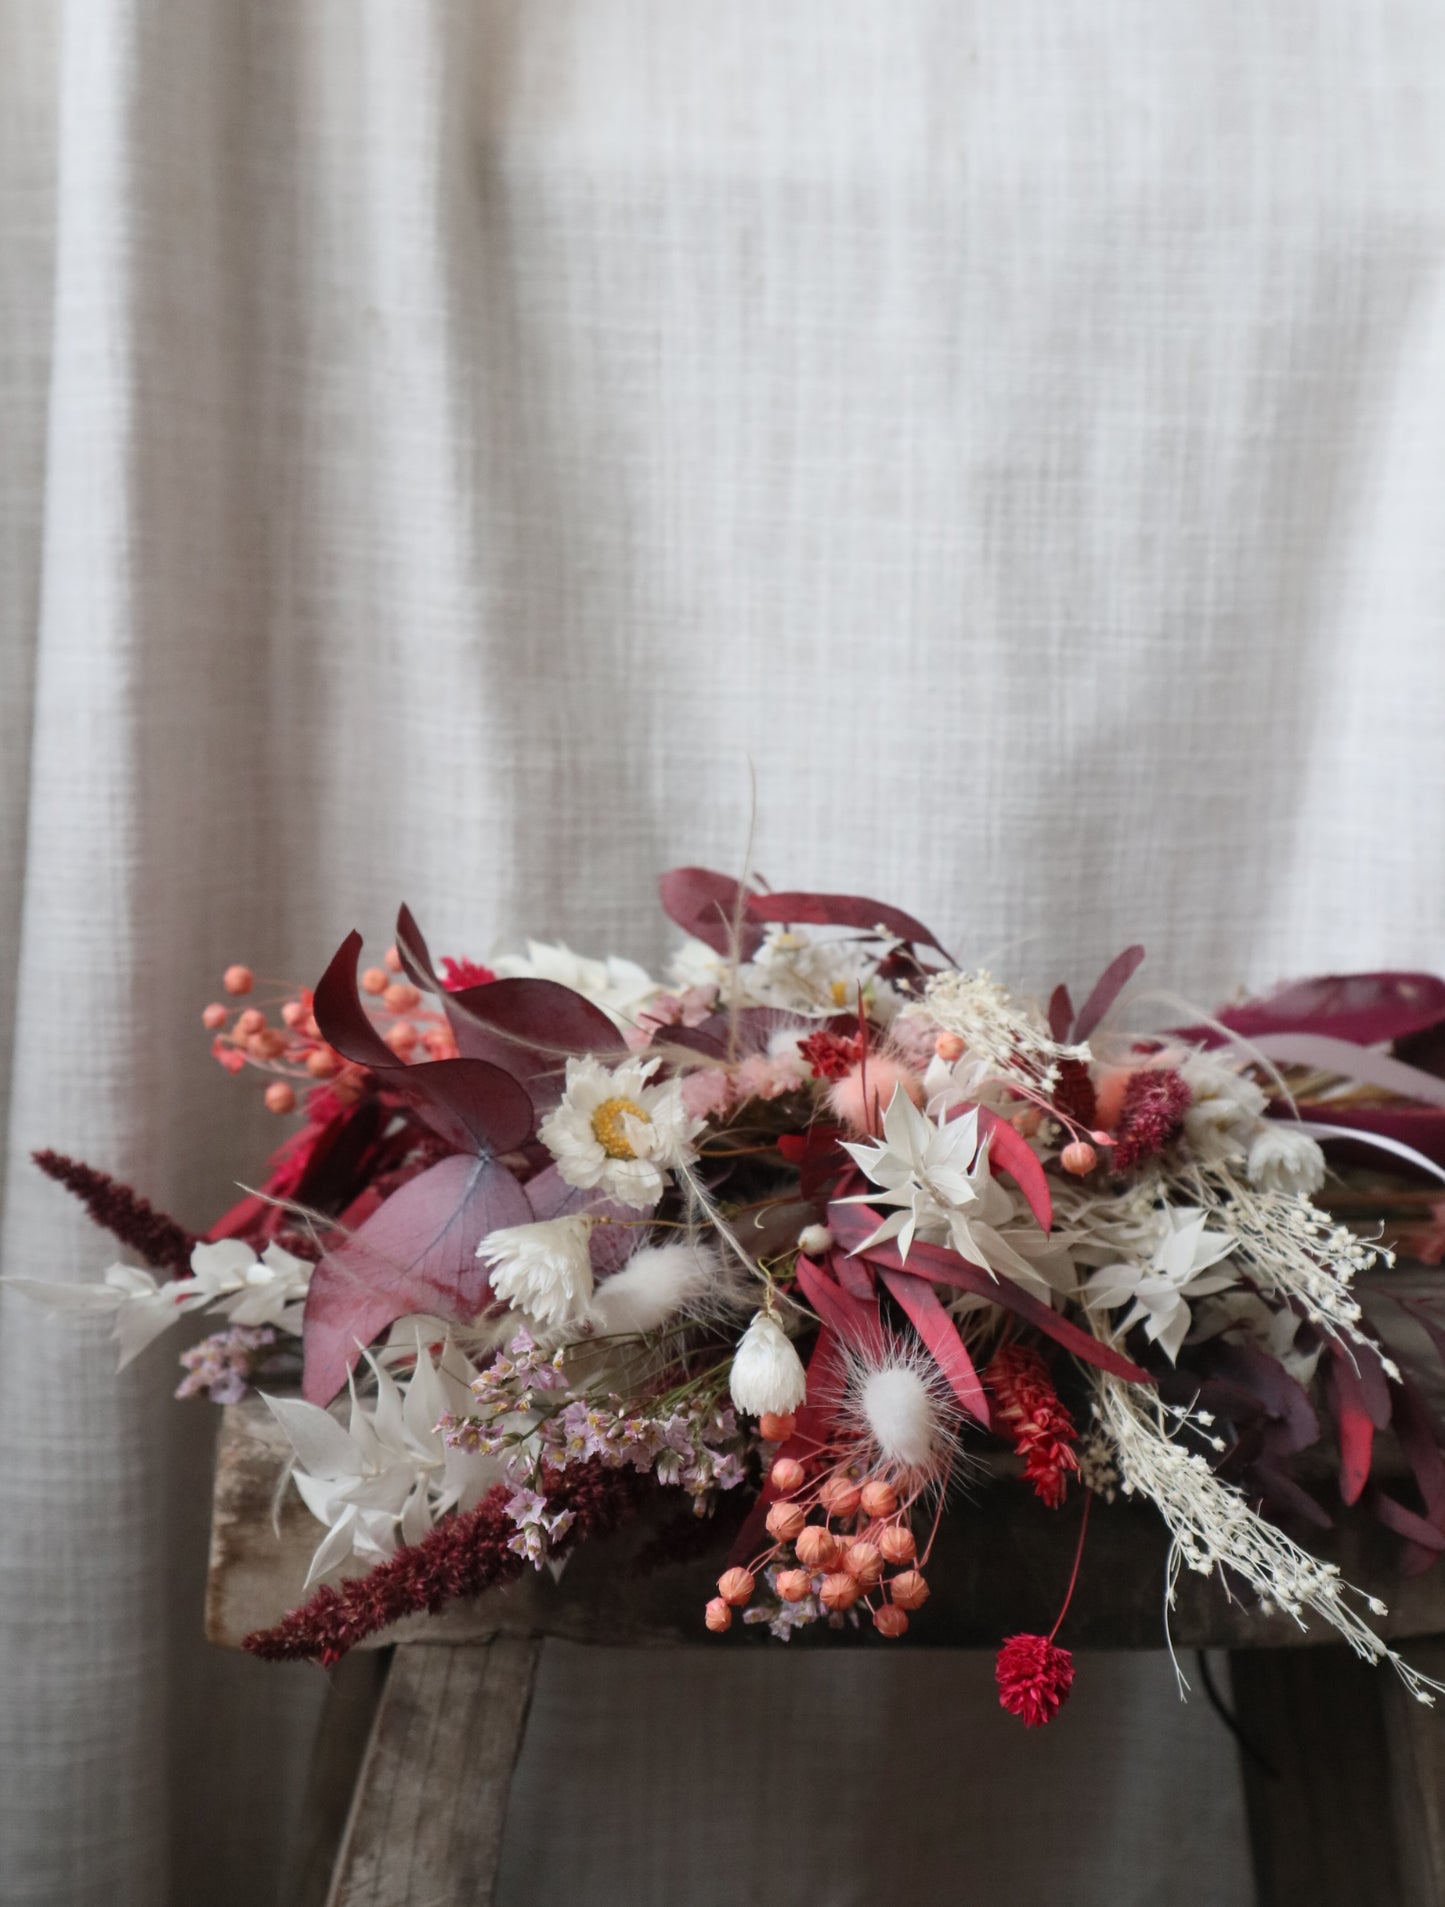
<point>1034,1677</point>
<point>1155,1103</point>
<point>1026,1407</point>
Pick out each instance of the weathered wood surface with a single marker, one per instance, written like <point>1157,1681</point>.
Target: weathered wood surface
<point>343,1736</point>
<point>1318,1781</point>
<point>1001,1565</point>
<point>426,1819</point>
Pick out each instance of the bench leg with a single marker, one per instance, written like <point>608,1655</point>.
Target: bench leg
<point>342,1733</point>
<point>425,1827</point>
<point>1350,1811</point>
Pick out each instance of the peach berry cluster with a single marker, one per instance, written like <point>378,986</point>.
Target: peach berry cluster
<point>842,1539</point>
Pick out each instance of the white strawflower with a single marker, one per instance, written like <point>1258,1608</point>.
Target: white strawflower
<point>767,1373</point>
<point>614,1132</point>
<point>1225,1109</point>
<point>1283,1159</point>
<point>543,1269</point>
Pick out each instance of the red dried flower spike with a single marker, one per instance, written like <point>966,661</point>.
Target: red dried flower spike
<point>1026,1406</point>
<point>465,1554</point>
<point>154,1237</point>
<point>1155,1103</point>
<point>1034,1677</point>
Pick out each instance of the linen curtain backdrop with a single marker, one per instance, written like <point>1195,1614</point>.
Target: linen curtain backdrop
<point>445,445</point>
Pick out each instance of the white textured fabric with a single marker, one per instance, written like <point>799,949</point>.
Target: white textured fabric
<point>444,445</point>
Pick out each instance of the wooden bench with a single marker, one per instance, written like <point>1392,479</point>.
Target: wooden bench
<point>1344,1776</point>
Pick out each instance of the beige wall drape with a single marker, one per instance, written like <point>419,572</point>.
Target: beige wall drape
<point>444,445</point>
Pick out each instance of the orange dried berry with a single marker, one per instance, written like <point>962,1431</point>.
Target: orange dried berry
<point>897,1544</point>
<point>889,1620</point>
<point>908,1589</point>
<point>776,1426</point>
<point>879,1499</point>
<point>840,1497</point>
<point>718,1617</point>
<point>839,1591</point>
<point>736,1586</point>
<point>392,957</point>
<point>864,1562</point>
<point>238,979</point>
<point>818,1548</point>
<point>794,1584</point>
<point>786,1521</point>
<point>323,1063</point>
<point>215,1017</point>
<point>401,1037</point>
<point>280,1097</point>
<point>375,980</point>
<point>250,1022</point>
<point>787,1475</point>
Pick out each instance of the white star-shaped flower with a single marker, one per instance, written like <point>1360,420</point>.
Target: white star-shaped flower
<point>1178,1270</point>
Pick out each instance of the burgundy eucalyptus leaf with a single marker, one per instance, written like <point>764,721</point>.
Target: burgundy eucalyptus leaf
<point>1418,1438</point>
<point>1421,1128</point>
<point>1366,1008</point>
<point>843,910</point>
<point>1295,1422</point>
<point>1282,1493</point>
<point>475,1107</point>
<point>1353,1424</point>
<point>1403,1522</point>
<point>1013,1153</point>
<point>1061,1014</point>
<point>415,955</point>
<point>418,1253</point>
<point>706,905</point>
<point>940,1334</point>
<point>854,1321</point>
<point>1110,984</point>
<point>530,1028</point>
<point>852,1224</point>
<point>343,1020</point>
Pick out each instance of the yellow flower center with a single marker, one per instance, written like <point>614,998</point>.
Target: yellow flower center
<point>839,991</point>
<point>609,1130</point>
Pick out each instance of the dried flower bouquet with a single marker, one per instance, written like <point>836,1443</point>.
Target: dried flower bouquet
<point>814,1221</point>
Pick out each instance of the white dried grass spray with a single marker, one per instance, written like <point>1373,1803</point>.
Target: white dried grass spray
<point>1212,1527</point>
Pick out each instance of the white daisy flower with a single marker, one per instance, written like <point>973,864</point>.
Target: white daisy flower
<point>543,1269</point>
<point>615,1133</point>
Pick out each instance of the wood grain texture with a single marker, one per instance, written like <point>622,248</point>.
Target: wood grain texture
<point>343,1733</point>
<point>1000,1565</point>
<point>1321,1823</point>
<point>425,1828</point>
<point>1415,1737</point>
